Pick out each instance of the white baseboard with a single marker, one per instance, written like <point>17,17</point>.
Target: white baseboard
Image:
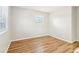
<point>8,46</point>
<point>30,37</point>
<point>69,41</point>
<point>77,40</point>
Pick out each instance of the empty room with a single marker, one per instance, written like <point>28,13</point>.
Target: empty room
<point>39,29</point>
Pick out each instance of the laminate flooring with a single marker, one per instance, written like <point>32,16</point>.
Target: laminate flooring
<point>45,44</point>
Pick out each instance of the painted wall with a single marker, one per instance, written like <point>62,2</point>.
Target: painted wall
<point>5,37</point>
<point>74,23</point>
<point>24,24</point>
<point>60,24</point>
<point>77,23</point>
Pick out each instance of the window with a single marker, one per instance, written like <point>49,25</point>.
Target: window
<point>39,19</point>
<point>2,19</point>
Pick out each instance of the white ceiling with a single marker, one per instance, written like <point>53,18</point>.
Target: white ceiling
<point>43,8</point>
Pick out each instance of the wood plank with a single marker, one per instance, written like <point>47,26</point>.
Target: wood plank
<point>45,44</point>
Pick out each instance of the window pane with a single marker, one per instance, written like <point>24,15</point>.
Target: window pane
<point>2,19</point>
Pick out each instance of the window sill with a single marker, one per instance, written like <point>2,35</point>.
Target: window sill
<point>2,32</point>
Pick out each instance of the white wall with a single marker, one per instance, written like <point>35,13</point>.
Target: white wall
<point>77,23</point>
<point>60,24</point>
<point>23,23</point>
<point>5,37</point>
<point>74,23</point>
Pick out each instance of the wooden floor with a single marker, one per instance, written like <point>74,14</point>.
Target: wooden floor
<point>46,44</point>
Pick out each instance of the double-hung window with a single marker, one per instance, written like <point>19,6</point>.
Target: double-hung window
<point>2,19</point>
